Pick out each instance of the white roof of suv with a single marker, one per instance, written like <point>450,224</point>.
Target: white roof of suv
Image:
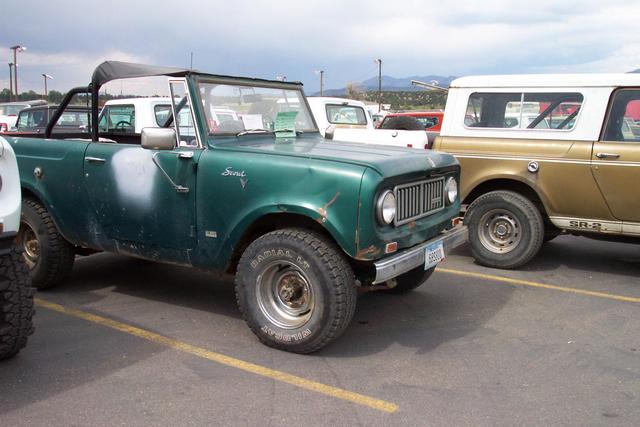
<point>548,80</point>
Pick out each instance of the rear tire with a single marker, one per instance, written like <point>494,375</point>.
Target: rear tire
<point>506,230</point>
<point>47,254</point>
<point>410,280</point>
<point>16,304</point>
<point>295,290</point>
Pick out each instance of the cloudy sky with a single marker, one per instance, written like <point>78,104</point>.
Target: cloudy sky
<point>67,38</point>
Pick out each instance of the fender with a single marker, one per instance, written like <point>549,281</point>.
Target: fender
<point>333,224</point>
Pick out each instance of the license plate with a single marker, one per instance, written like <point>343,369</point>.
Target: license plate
<point>433,254</point>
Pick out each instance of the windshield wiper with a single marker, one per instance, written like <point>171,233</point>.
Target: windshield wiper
<point>253,131</point>
<point>298,132</point>
<point>250,131</point>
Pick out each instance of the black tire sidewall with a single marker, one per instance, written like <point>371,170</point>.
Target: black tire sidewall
<point>258,255</point>
<point>32,218</point>
<point>16,304</point>
<point>527,215</point>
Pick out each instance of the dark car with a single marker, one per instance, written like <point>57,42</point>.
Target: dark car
<point>35,119</point>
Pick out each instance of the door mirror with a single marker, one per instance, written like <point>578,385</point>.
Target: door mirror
<point>158,138</point>
<point>329,131</point>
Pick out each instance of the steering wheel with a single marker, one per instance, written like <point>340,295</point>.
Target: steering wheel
<point>123,124</point>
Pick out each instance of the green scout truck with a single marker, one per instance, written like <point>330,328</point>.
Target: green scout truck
<point>300,220</point>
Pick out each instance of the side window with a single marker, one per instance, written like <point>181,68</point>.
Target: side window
<point>162,113</point>
<point>346,115</point>
<point>22,121</point>
<point>36,119</point>
<point>555,110</point>
<point>182,113</point>
<point>517,110</point>
<point>623,123</point>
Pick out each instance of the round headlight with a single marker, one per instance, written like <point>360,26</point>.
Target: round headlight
<point>451,188</point>
<point>387,207</point>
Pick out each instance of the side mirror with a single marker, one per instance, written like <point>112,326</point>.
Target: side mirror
<point>158,138</point>
<point>329,131</point>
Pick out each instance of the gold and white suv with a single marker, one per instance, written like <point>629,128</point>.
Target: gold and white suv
<point>542,155</point>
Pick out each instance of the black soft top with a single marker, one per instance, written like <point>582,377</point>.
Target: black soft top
<point>113,70</point>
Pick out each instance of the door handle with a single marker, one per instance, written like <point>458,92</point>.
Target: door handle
<point>94,160</point>
<point>607,155</point>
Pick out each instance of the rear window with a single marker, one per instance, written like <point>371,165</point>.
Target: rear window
<point>118,118</point>
<point>427,122</point>
<point>518,110</point>
<point>74,119</point>
<point>346,115</point>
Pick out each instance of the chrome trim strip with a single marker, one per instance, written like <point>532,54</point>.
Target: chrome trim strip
<point>395,265</point>
<point>548,160</point>
<point>629,228</point>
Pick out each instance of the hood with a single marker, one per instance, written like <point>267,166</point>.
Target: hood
<point>386,160</point>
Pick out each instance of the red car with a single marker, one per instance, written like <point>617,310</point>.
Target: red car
<point>428,120</point>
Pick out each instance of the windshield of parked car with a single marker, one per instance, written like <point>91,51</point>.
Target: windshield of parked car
<point>233,109</point>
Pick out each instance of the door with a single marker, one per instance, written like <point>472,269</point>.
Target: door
<point>144,199</point>
<point>616,157</point>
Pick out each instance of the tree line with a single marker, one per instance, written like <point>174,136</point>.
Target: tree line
<point>401,100</point>
<point>56,97</point>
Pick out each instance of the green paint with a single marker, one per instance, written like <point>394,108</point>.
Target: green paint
<point>126,203</point>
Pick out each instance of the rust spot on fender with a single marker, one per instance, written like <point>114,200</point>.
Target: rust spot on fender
<point>367,252</point>
<point>323,211</point>
<point>411,225</point>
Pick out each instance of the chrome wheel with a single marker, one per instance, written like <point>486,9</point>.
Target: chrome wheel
<point>499,231</point>
<point>284,295</point>
<point>30,244</point>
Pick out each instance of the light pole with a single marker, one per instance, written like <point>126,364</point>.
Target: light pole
<point>46,76</point>
<point>17,48</point>
<point>379,62</point>
<point>10,81</point>
<point>321,72</point>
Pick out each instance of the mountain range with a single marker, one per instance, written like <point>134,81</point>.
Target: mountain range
<point>392,84</point>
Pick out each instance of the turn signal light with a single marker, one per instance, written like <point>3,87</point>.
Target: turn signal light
<point>391,247</point>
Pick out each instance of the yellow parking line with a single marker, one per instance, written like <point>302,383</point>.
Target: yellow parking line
<point>520,282</point>
<point>262,371</point>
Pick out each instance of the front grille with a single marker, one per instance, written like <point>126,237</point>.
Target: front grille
<point>418,199</point>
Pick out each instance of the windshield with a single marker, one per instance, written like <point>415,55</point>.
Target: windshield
<point>232,109</point>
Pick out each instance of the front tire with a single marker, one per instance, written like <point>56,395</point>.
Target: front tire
<point>16,304</point>
<point>506,230</point>
<point>49,256</point>
<point>295,290</point>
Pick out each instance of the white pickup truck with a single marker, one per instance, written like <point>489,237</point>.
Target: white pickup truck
<point>16,293</point>
<point>348,120</point>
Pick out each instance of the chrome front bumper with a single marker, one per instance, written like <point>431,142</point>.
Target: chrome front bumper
<point>395,265</point>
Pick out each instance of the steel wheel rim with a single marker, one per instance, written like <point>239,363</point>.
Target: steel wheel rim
<point>499,231</point>
<point>28,240</point>
<point>285,295</point>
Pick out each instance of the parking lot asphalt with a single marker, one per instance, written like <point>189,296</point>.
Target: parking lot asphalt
<point>130,342</point>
